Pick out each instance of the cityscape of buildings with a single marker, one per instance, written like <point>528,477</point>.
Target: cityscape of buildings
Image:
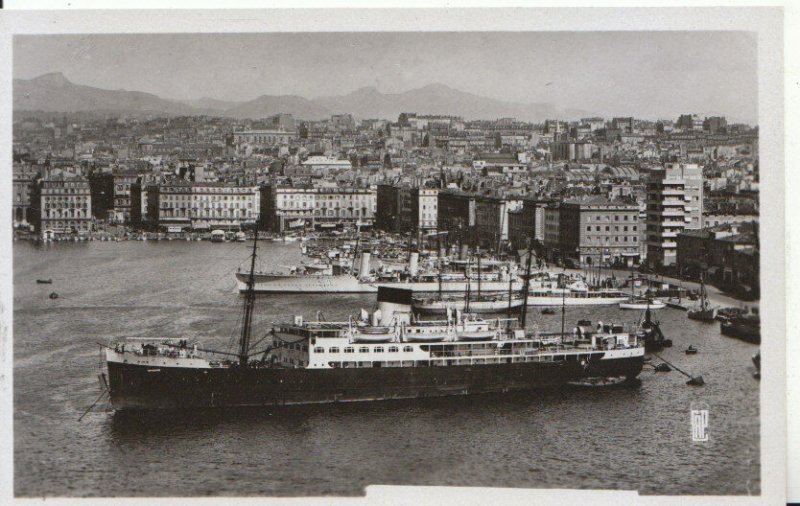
<point>674,195</point>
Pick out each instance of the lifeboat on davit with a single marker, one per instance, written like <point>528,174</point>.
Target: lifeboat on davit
<point>476,335</point>
<point>423,334</point>
<point>373,334</point>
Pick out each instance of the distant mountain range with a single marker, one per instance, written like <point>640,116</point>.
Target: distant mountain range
<point>54,93</point>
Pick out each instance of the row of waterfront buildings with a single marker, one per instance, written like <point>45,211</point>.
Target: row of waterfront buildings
<point>595,229</point>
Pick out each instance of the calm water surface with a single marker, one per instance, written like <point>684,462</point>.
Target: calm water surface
<point>629,438</point>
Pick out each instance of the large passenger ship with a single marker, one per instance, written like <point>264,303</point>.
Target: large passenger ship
<point>383,355</point>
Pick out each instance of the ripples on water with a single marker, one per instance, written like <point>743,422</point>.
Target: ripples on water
<point>624,438</point>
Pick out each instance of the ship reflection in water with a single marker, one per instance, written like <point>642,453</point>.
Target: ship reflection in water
<point>627,437</point>
<point>482,440</point>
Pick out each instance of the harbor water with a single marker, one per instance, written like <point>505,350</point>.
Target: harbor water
<point>632,438</point>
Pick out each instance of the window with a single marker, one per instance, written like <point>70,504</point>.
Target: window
<point>363,349</point>
<point>334,350</point>
<point>597,228</point>
<point>348,349</point>
<point>634,228</point>
<point>589,229</point>
<point>408,349</point>
<point>616,217</point>
<point>393,349</point>
<point>379,349</point>
<point>625,228</point>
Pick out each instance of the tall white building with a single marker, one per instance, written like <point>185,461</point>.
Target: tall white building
<point>674,204</point>
<point>428,208</point>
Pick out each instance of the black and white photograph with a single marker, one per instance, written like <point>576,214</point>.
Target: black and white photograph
<point>305,254</point>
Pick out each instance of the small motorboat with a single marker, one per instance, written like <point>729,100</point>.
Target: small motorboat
<point>548,310</point>
<point>696,381</point>
<point>667,343</point>
<point>53,295</point>
<point>691,350</point>
<point>662,367</point>
<point>44,281</point>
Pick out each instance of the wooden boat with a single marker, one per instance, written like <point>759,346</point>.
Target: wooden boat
<point>747,328</point>
<point>704,313</point>
<point>44,281</point>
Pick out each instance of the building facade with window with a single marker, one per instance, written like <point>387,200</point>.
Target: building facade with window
<point>122,196</point>
<point>300,207</point>
<point>24,179</point>
<point>674,204</point>
<point>201,206</point>
<point>599,231</point>
<point>66,205</point>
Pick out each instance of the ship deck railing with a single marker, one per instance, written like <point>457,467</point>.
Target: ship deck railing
<point>546,350</point>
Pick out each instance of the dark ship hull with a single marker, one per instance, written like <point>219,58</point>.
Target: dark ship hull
<point>747,332</point>
<point>147,387</point>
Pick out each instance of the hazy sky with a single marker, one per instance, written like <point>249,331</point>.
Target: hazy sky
<point>644,74</point>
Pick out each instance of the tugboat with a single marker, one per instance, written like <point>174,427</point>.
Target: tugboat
<point>651,333</point>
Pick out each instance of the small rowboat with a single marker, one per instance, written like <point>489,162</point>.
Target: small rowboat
<point>44,281</point>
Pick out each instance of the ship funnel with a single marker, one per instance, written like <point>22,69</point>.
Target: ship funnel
<point>363,271</point>
<point>413,263</point>
<point>394,305</point>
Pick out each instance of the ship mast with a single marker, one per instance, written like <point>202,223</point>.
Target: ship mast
<point>479,272</point>
<point>249,302</point>
<point>527,284</point>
